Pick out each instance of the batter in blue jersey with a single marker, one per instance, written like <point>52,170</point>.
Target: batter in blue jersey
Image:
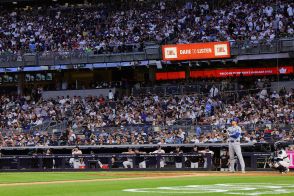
<point>234,133</point>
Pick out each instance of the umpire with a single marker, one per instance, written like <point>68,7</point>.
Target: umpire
<point>234,146</point>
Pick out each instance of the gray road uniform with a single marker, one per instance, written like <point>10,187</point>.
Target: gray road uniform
<point>235,147</point>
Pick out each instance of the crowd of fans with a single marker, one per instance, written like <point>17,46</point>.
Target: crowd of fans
<point>107,28</point>
<point>104,28</point>
<point>151,119</point>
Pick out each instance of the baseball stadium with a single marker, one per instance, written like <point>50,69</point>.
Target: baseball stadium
<point>146,97</point>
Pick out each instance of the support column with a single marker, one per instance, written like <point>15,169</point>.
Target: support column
<point>152,72</point>
<point>20,84</point>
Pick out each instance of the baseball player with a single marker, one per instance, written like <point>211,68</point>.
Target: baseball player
<point>224,161</point>
<point>206,151</point>
<point>178,157</point>
<point>140,159</point>
<point>160,151</point>
<point>280,161</point>
<point>74,161</point>
<point>49,163</point>
<point>114,162</point>
<point>234,133</point>
<point>129,161</point>
<point>195,159</point>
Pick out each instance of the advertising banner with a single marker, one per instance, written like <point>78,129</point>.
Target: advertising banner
<point>170,75</point>
<point>236,72</point>
<point>210,50</point>
<point>291,157</point>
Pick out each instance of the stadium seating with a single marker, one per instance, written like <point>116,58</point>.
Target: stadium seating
<point>113,29</point>
<point>151,119</point>
<point>153,114</point>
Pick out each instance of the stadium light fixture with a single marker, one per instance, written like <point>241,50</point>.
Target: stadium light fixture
<point>19,69</point>
<point>158,65</point>
<point>190,64</point>
<point>92,68</point>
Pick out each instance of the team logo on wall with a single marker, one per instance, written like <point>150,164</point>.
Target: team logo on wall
<point>171,52</point>
<point>283,70</point>
<point>221,49</point>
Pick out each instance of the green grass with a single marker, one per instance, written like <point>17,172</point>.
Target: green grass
<point>114,188</point>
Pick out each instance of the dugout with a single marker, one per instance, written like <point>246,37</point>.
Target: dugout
<point>34,158</point>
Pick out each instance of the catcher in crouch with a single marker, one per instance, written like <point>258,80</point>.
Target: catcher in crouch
<point>280,161</point>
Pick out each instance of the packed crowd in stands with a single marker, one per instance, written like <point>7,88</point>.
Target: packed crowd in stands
<point>106,28</point>
<point>153,119</point>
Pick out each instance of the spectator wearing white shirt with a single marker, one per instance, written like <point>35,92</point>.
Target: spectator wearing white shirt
<point>269,11</point>
<point>290,11</point>
<point>275,95</point>
<point>213,92</point>
<point>263,94</point>
<point>110,95</point>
